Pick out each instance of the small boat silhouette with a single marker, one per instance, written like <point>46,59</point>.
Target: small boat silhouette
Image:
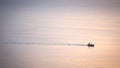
<point>90,45</point>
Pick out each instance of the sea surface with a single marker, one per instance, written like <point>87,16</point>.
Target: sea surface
<point>40,36</point>
<point>29,50</point>
<point>59,56</point>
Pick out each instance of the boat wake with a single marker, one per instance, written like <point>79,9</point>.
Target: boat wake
<point>68,44</point>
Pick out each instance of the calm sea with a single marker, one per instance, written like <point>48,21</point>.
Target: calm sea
<point>26,50</point>
<point>24,30</point>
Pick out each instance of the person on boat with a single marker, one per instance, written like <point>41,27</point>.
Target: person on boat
<point>89,43</point>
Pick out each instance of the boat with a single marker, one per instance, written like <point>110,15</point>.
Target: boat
<point>90,45</point>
